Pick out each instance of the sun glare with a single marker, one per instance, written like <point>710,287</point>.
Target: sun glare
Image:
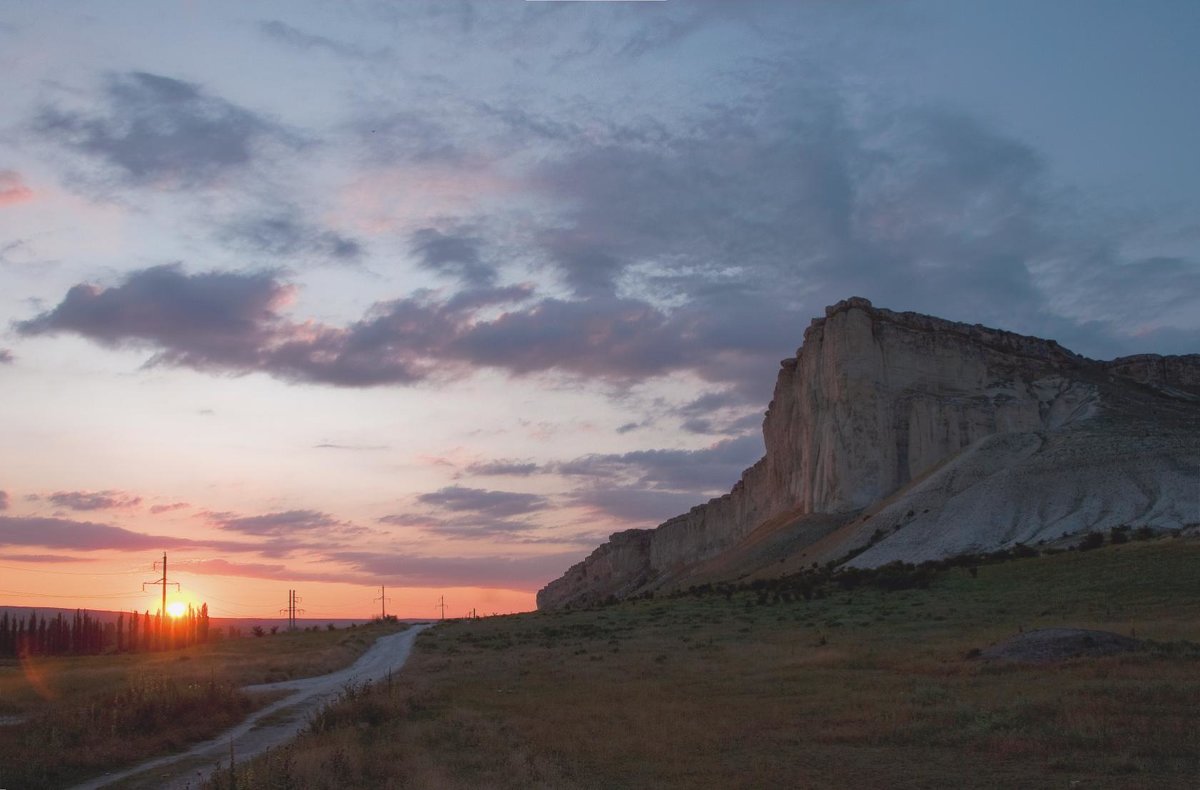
<point>177,608</point>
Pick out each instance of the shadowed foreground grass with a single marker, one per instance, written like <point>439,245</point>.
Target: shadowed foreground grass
<point>857,689</point>
<point>74,717</point>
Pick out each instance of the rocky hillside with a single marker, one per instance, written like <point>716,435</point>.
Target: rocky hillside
<point>913,438</point>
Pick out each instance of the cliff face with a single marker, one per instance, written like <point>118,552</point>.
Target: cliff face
<point>1179,374</point>
<point>876,398</point>
<point>872,401</point>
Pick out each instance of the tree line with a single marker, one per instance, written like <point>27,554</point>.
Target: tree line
<point>84,634</point>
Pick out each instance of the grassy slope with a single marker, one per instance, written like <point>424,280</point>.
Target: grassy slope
<point>83,715</point>
<point>865,689</point>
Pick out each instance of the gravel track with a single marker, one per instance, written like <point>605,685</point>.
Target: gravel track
<point>253,736</point>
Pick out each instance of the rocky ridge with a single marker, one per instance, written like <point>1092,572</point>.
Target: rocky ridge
<point>914,437</point>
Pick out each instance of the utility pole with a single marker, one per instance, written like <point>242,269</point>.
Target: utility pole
<point>292,611</point>
<point>383,599</point>
<point>163,581</point>
<point>442,606</point>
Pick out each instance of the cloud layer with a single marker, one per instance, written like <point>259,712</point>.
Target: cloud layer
<point>94,500</point>
<point>701,251</point>
<point>62,533</point>
<point>160,131</point>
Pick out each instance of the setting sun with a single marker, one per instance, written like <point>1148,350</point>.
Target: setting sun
<point>177,608</point>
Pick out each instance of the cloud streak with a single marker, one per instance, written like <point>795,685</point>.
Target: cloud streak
<point>454,253</point>
<point>524,574</point>
<point>305,528</point>
<point>230,322</point>
<point>195,321</point>
<point>94,500</point>
<point>643,506</point>
<point>480,501</point>
<point>159,509</point>
<point>61,533</point>
<point>286,34</point>
<point>711,469</point>
<point>503,467</point>
<point>254,570</point>
<point>287,235</point>
<point>160,131</point>
<point>462,513</point>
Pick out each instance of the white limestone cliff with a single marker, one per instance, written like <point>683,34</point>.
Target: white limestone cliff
<point>875,400</point>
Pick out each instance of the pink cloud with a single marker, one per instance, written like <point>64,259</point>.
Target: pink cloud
<point>13,189</point>
<point>156,509</point>
<point>384,200</point>
<point>48,558</point>
<point>95,500</point>
<point>254,570</point>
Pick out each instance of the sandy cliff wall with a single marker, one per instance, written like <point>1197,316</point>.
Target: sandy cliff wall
<point>872,400</point>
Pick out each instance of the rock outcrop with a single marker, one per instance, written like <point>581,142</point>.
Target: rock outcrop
<point>927,437</point>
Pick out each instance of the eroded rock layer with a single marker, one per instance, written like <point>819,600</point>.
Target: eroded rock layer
<point>879,406</point>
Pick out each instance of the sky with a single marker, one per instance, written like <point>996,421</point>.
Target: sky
<point>435,296</point>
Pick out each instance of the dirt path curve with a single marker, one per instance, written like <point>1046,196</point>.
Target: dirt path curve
<point>254,736</point>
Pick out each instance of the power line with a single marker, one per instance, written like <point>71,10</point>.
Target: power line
<point>163,581</point>
<point>53,595</point>
<point>69,573</point>
<point>383,600</point>
<point>235,604</point>
<point>249,612</point>
<point>291,610</point>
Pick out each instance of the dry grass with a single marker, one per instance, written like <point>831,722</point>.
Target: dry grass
<point>80,716</point>
<point>860,689</point>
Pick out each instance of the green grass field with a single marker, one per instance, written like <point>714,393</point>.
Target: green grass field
<point>74,717</point>
<point>861,688</point>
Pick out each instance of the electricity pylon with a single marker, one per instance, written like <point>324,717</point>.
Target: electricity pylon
<point>292,611</point>
<point>163,581</point>
<point>383,600</point>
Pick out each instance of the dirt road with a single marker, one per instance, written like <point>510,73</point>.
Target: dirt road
<point>265,728</point>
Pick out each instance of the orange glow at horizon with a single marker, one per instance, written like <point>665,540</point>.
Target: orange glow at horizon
<point>105,586</point>
<point>176,609</point>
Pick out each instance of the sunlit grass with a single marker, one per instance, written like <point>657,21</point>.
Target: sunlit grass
<point>79,716</point>
<point>858,689</point>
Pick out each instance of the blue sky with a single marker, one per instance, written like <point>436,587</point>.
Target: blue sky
<point>437,294</point>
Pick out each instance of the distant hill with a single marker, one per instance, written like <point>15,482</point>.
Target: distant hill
<point>900,436</point>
